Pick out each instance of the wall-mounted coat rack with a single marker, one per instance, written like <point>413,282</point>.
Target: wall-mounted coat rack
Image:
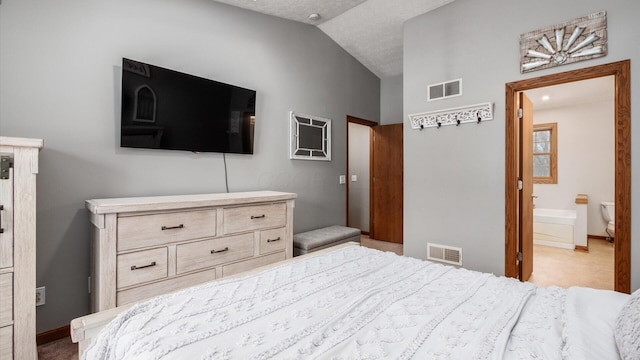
<point>455,116</point>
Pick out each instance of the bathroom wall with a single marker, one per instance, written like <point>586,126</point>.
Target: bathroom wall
<point>585,159</point>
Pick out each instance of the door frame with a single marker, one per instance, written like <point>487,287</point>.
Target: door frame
<point>370,124</point>
<point>621,71</point>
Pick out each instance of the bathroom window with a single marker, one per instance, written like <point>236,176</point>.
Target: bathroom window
<point>545,153</point>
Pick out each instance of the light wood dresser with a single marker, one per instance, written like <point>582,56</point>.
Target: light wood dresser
<point>147,246</point>
<point>18,170</point>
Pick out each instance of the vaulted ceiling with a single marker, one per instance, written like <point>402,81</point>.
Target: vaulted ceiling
<point>370,30</point>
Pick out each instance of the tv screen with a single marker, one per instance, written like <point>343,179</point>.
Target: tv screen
<point>167,109</point>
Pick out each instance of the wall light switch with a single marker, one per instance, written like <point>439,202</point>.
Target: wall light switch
<point>343,179</point>
<point>354,177</point>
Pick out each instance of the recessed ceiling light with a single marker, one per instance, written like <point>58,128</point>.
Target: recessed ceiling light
<point>545,97</point>
<point>314,17</point>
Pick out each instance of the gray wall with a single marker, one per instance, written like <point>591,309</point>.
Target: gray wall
<point>391,100</point>
<point>454,176</point>
<point>60,69</point>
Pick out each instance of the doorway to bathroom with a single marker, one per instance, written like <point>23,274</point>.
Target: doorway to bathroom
<point>519,193</point>
<point>573,173</point>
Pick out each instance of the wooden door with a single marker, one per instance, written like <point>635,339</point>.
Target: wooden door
<point>386,183</point>
<point>525,243</point>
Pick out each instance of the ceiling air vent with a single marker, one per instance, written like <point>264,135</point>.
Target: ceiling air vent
<point>443,253</point>
<point>444,90</point>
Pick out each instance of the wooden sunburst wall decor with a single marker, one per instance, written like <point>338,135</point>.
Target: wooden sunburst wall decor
<point>580,39</point>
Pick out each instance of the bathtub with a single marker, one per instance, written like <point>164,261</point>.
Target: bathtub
<point>554,227</point>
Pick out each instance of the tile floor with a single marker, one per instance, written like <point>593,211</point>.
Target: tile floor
<point>564,268</point>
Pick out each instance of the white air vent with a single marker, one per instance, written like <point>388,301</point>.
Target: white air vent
<point>444,90</point>
<point>443,253</point>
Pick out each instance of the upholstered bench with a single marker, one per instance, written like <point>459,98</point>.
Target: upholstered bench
<point>314,240</point>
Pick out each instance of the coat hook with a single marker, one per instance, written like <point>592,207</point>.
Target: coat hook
<point>457,121</point>
<point>439,124</point>
<point>479,117</point>
<point>421,127</point>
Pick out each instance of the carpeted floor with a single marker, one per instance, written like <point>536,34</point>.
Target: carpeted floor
<point>62,349</point>
<point>381,245</point>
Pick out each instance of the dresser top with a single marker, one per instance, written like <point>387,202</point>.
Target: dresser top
<point>152,203</point>
<point>20,142</point>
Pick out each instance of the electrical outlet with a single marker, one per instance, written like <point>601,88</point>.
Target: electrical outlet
<point>40,296</point>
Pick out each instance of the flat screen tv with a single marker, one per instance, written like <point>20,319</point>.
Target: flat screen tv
<point>167,109</point>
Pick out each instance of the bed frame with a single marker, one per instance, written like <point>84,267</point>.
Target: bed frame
<point>84,329</point>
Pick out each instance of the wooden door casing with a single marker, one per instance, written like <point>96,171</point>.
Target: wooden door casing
<point>621,71</point>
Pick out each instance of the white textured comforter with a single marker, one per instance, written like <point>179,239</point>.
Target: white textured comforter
<point>353,303</point>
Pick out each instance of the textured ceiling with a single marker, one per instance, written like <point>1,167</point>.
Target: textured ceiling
<point>370,30</point>
<point>297,10</point>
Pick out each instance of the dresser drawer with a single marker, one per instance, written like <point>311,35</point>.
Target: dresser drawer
<point>141,266</point>
<point>251,264</point>
<point>272,240</point>
<point>6,247</point>
<point>6,342</point>
<point>151,230</point>
<point>163,287</point>
<point>207,253</point>
<point>6,298</point>
<point>248,218</point>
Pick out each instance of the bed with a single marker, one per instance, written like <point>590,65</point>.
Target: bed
<point>352,302</point>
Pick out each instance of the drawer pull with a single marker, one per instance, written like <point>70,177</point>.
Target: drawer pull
<point>133,267</point>
<point>219,251</point>
<point>173,227</point>
<point>257,216</point>
<point>273,240</point>
<point>1,229</point>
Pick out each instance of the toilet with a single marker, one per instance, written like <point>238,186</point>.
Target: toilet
<point>609,213</point>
